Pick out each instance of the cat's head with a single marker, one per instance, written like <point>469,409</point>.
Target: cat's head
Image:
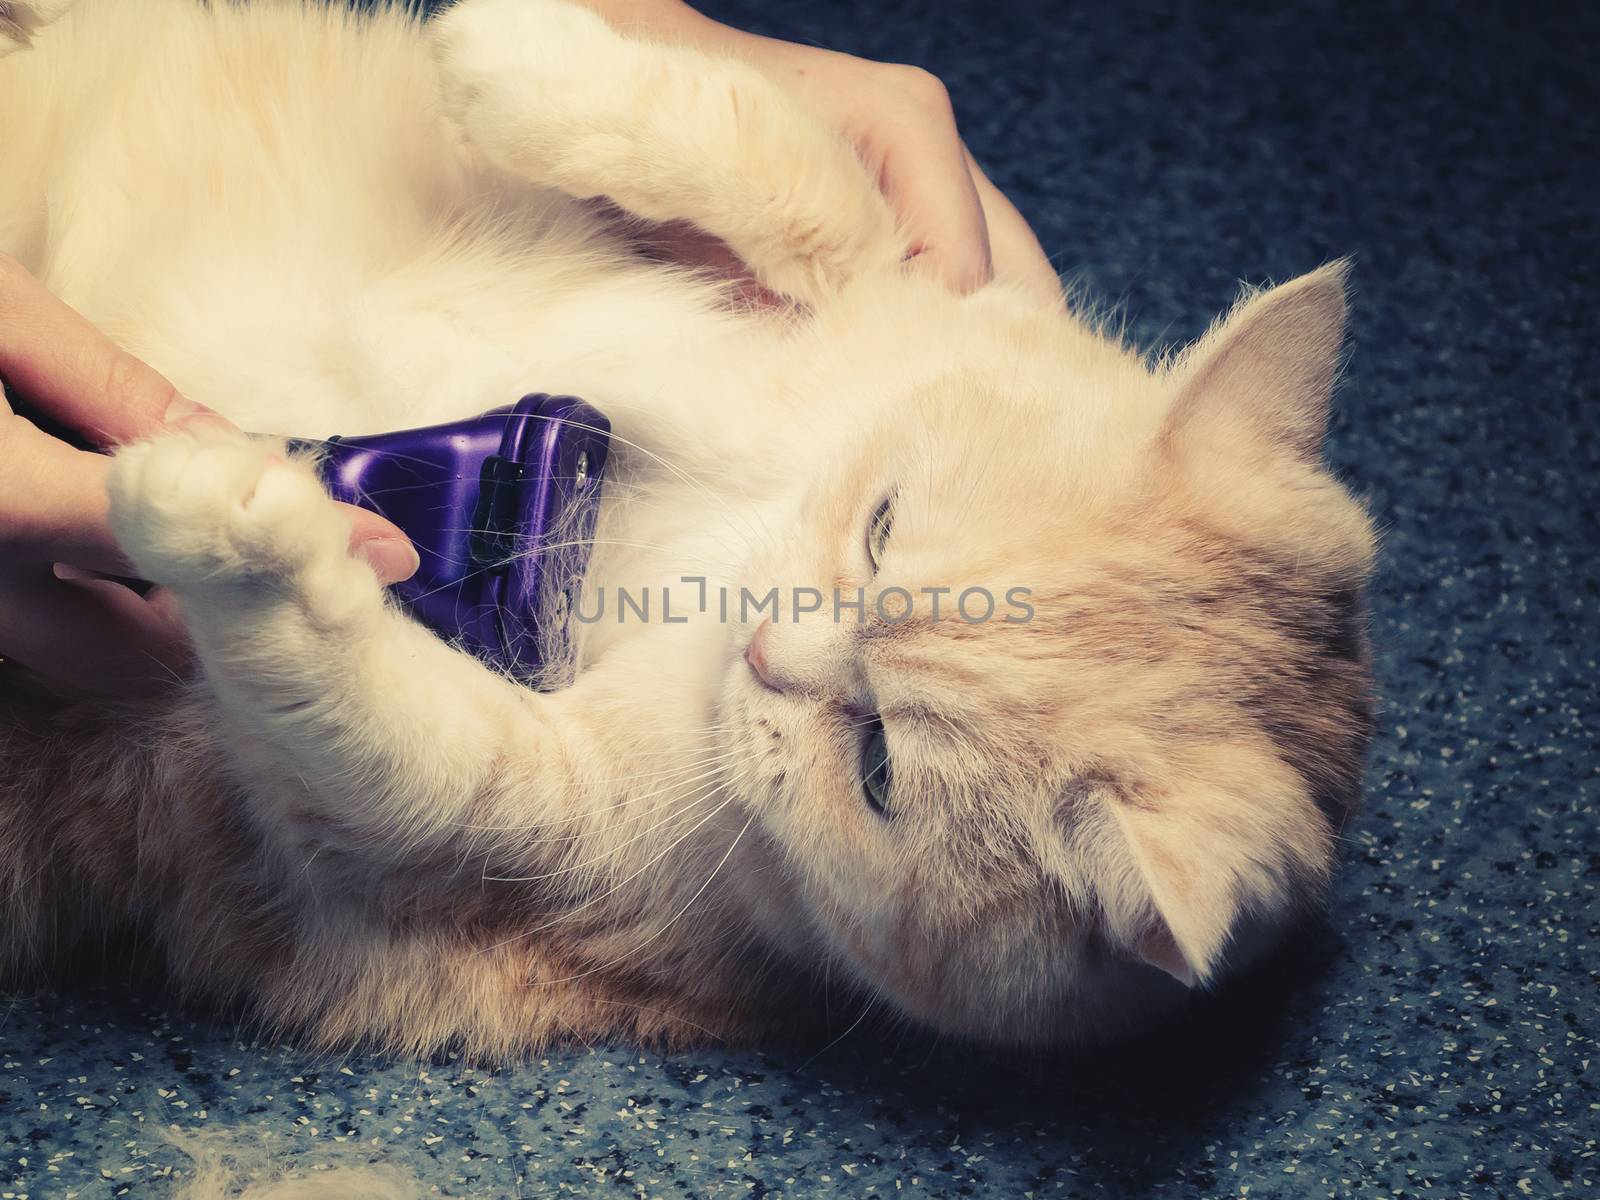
<point>1120,754</point>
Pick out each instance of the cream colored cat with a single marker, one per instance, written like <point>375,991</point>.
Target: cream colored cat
<point>317,222</point>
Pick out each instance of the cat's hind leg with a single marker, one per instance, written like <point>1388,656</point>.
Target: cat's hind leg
<point>547,91</point>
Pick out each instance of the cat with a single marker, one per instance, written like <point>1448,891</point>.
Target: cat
<point>1111,770</point>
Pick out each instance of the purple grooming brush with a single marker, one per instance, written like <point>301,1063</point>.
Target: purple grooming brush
<point>501,509</point>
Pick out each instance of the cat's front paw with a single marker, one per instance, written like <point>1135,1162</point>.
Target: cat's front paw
<point>216,512</point>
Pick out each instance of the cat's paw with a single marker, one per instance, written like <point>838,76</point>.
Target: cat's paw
<point>549,92</point>
<point>488,50</point>
<point>218,513</point>
<point>21,19</point>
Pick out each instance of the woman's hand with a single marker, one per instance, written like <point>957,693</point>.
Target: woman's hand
<point>59,613</point>
<point>962,227</point>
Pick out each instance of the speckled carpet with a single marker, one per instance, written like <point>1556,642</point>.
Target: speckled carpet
<point>1437,1037</point>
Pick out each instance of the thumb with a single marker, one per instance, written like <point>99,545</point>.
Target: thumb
<point>383,544</point>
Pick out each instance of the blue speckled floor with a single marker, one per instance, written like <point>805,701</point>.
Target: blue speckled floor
<point>1437,1039</point>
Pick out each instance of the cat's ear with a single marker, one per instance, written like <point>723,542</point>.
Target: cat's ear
<point>1178,901</point>
<point>1267,368</point>
<point>1189,880</point>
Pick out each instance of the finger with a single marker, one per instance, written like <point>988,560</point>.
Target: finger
<point>92,636</point>
<point>393,560</point>
<point>1017,254</point>
<point>71,371</point>
<point>53,502</point>
<point>925,177</point>
<point>383,542</point>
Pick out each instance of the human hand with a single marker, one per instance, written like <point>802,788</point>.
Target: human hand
<point>962,227</point>
<point>63,613</point>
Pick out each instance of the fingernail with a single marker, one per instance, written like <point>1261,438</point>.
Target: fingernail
<point>180,408</point>
<point>184,413</point>
<point>392,559</point>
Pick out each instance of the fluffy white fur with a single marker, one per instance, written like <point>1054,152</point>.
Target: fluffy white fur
<point>320,223</point>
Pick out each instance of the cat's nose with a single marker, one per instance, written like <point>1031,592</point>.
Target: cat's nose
<point>755,654</point>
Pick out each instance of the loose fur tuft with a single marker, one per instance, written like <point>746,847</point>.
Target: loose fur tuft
<point>229,1165</point>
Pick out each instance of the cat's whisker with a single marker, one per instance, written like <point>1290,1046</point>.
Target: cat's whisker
<point>674,774</point>
<point>673,920</point>
<point>680,473</point>
<point>568,913</point>
<point>644,812</point>
<point>382,452</point>
<point>866,1008</point>
<point>671,1016</point>
<point>613,850</point>
<point>545,547</point>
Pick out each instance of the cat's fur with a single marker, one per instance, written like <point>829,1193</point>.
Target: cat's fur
<point>316,223</point>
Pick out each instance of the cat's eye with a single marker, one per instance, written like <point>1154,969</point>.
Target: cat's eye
<point>876,773</point>
<point>878,529</point>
